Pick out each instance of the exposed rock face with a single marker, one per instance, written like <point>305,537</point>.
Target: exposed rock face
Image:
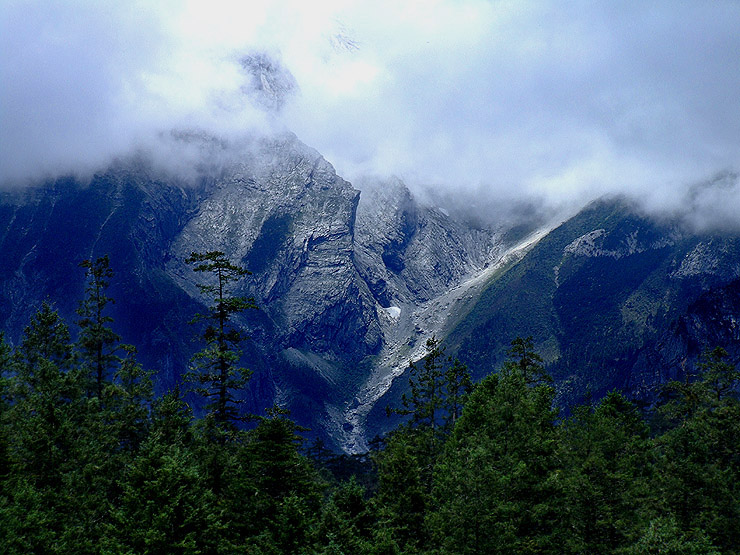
<point>337,276</point>
<point>613,300</point>
<point>270,84</point>
<point>351,285</point>
<point>711,257</point>
<point>284,213</point>
<point>599,243</point>
<point>410,253</point>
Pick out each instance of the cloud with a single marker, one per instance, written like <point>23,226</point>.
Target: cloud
<point>82,82</point>
<point>549,101</point>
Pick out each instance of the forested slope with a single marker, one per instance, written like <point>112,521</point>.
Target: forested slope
<point>91,461</point>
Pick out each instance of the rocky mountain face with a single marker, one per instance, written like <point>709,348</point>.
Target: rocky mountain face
<point>409,254</point>
<point>335,273</point>
<point>351,284</point>
<point>613,300</point>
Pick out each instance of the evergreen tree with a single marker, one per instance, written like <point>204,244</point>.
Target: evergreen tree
<point>346,521</point>
<point>110,441</point>
<point>214,371</point>
<point>6,354</point>
<point>165,506</point>
<point>406,467</point>
<point>698,460</point>
<point>285,498</point>
<point>424,403</point>
<point>97,342</point>
<point>402,498</point>
<point>457,388</point>
<point>129,398</point>
<point>525,360</point>
<point>495,487</point>
<point>662,536</point>
<point>437,395</point>
<point>606,476</point>
<point>718,375</point>
<point>43,422</point>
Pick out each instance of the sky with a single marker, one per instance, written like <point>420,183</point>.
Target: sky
<point>551,102</point>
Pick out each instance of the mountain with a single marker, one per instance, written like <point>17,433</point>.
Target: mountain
<point>613,299</point>
<point>335,274</point>
<point>351,284</point>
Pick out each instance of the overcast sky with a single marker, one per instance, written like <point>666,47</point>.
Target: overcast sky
<point>563,100</point>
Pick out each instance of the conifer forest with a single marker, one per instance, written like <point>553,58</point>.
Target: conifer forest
<point>92,461</point>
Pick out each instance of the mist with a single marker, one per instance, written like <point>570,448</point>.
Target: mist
<point>527,104</point>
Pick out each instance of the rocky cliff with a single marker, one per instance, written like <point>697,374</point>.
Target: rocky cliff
<point>338,276</point>
<point>613,299</point>
<point>350,284</point>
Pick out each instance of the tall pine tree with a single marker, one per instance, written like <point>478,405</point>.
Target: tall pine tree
<point>215,372</point>
<point>495,490</point>
<point>97,342</point>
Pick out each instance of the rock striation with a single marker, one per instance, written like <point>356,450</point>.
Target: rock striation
<point>351,282</point>
<point>337,275</point>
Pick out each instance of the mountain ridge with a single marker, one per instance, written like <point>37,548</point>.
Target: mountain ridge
<point>351,283</point>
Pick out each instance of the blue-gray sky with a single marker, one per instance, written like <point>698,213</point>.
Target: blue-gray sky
<point>559,100</point>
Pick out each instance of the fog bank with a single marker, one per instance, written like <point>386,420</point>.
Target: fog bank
<point>531,103</point>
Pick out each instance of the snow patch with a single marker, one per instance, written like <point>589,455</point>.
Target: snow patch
<point>393,311</point>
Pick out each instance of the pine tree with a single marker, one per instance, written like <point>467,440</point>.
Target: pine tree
<point>718,374</point>
<point>97,342</point>
<point>215,372</point>
<point>43,422</point>
<point>402,498</point>
<point>662,536</point>
<point>406,466</point>
<point>346,520</point>
<point>284,485</point>
<point>424,406</point>
<point>165,506</point>
<point>606,475</point>
<point>495,488</point>
<point>524,359</point>
<point>697,456</point>
<point>6,373</point>
<point>457,388</point>
<point>46,394</point>
<point>129,398</point>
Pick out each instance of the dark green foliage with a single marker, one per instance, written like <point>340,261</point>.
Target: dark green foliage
<point>215,373</point>
<point>606,475</point>
<point>347,521</point>
<point>402,498</point>
<point>698,460</point>
<point>406,466</point>
<point>128,399</point>
<point>424,407</point>
<point>5,368</point>
<point>719,376</point>
<point>286,494</point>
<point>495,486</point>
<point>457,388</point>
<point>424,402</point>
<point>662,536</point>
<point>43,421</point>
<point>438,391</point>
<point>525,361</point>
<point>96,340</point>
<point>165,506</point>
<point>113,469</point>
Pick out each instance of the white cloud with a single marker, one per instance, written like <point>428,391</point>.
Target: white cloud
<point>563,101</point>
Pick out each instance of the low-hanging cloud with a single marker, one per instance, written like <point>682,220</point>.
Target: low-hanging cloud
<point>548,101</point>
